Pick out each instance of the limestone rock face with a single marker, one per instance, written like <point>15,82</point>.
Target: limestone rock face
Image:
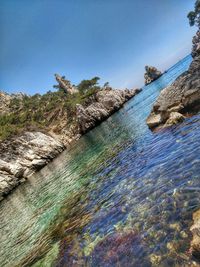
<point>107,102</point>
<point>5,100</point>
<point>151,74</point>
<point>23,155</point>
<point>196,44</point>
<point>65,85</point>
<point>182,96</point>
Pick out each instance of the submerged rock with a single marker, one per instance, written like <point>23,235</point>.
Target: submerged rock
<point>155,259</point>
<point>124,248</point>
<point>106,102</point>
<point>195,229</point>
<point>120,249</point>
<point>180,99</point>
<point>151,74</point>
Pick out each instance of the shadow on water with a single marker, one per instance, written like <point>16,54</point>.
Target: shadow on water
<point>121,196</point>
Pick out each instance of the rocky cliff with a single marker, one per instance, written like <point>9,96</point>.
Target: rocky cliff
<point>106,102</point>
<point>151,74</point>
<point>180,99</point>
<point>22,155</point>
<point>42,138</point>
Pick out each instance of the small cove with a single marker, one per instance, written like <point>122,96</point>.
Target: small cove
<point>121,196</point>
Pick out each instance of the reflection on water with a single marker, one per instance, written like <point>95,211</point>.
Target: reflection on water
<point>122,196</point>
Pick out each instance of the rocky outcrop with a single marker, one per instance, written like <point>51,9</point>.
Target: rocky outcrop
<point>23,155</point>
<point>5,100</point>
<point>65,85</point>
<point>106,102</point>
<point>180,99</point>
<point>196,44</point>
<point>151,74</point>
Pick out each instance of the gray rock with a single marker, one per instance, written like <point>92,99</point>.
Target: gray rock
<point>23,155</point>
<point>7,183</point>
<point>37,164</point>
<point>107,102</point>
<point>17,170</point>
<point>154,120</point>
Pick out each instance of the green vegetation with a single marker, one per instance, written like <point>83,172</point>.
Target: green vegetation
<point>89,84</point>
<point>194,16</point>
<point>40,112</point>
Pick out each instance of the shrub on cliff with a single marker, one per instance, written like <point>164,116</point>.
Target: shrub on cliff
<point>41,111</point>
<point>194,16</point>
<point>88,84</point>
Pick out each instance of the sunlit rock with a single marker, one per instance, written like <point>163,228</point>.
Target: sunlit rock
<point>106,102</point>
<point>182,98</point>
<point>155,259</point>
<point>65,85</point>
<point>23,155</point>
<point>174,118</point>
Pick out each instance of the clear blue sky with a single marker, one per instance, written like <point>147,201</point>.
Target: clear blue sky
<point>112,39</point>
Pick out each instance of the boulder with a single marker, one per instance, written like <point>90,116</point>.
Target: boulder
<point>154,120</point>
<point>37,164</point>
<point>174,118</point>
<point>183,96</point>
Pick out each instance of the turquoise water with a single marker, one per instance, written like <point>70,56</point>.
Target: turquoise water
<point>121,196</point>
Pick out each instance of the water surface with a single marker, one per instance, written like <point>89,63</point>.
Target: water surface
<point>121,196</point>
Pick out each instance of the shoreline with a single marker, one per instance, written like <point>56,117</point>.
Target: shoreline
<point>28,153</point>
<point>181,99</point>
